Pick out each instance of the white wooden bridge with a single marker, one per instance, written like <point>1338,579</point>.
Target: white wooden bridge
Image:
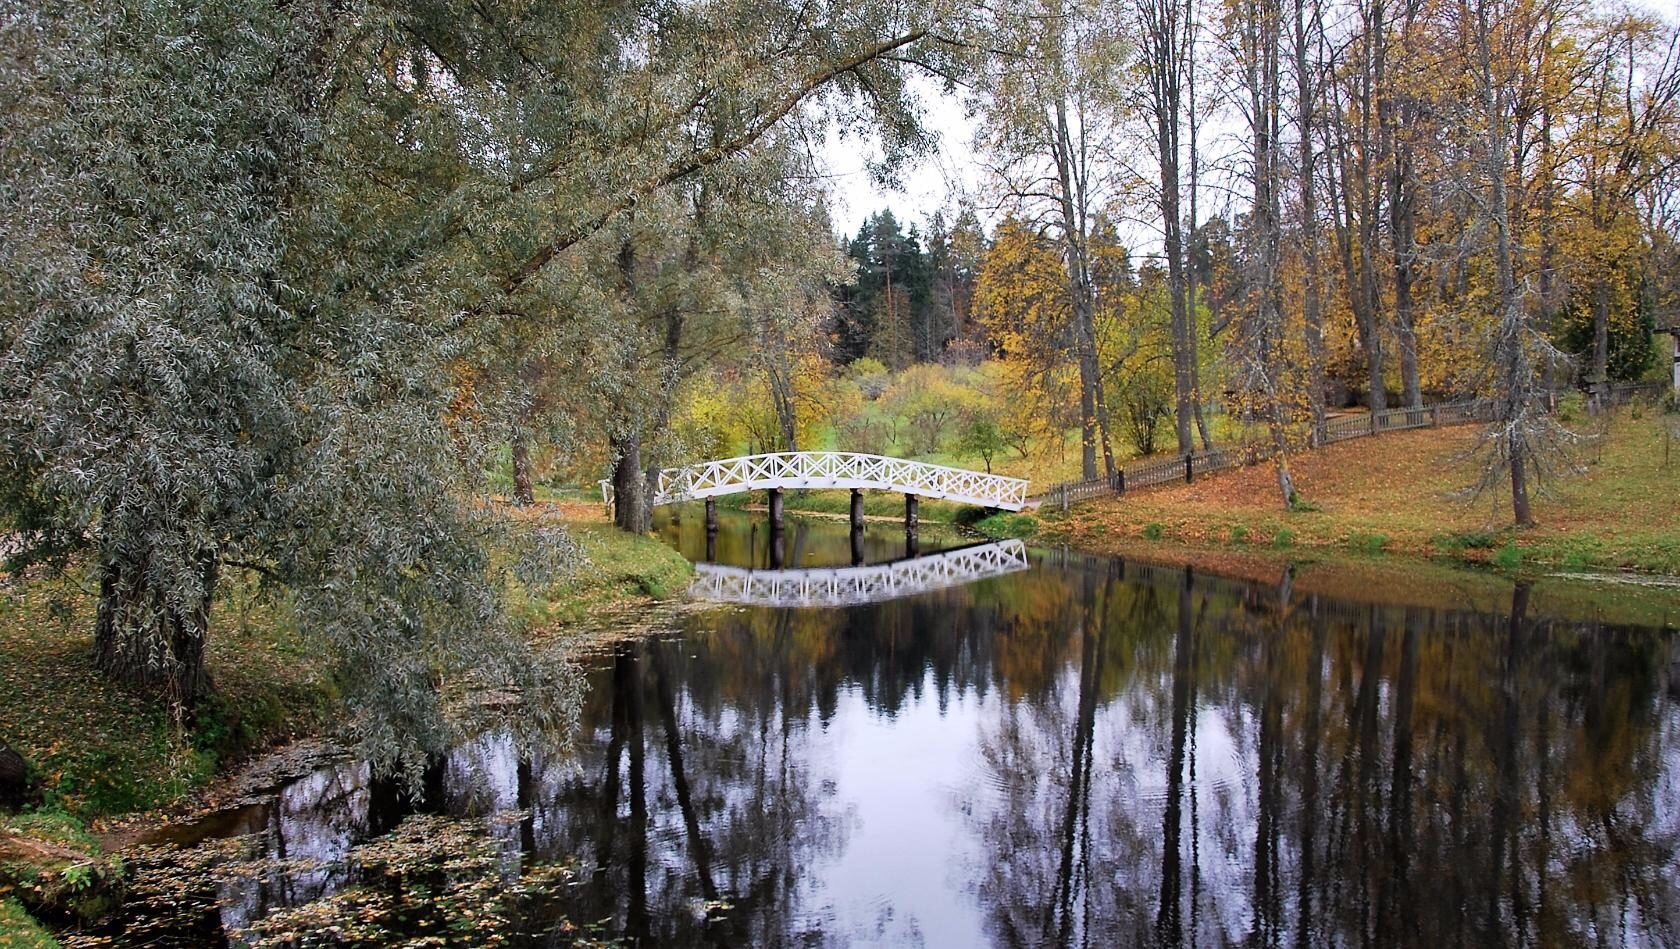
<point>795,470</point>
<point>847,586</point>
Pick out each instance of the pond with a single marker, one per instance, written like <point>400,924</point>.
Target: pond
<point>1066,750</point>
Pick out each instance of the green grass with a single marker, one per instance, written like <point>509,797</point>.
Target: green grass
<point>1370,543</point>
<point>19,931</point>
<point>1508,557</point>
<point>622,567</point>
<point>1003,525</point>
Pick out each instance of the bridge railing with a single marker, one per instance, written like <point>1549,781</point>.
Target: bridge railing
<point>843,586</point>
<point>838,469</point>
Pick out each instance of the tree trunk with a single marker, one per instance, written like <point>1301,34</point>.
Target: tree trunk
<point>1193,159</point>
<point>1516,382</point>
<point>1600,377</point>
<point>1092,401</point>
<point>630,508</point>
<point>144,640</point>
<point>1183,325</point>
<point>781,394</point>
<point>1398,114</point>
<point>1404,318</point>
<point>1087,422</point>
<point>1519,483</point>
<point>1306,93</point>
<point>522,491</point>
<point>14,777</point>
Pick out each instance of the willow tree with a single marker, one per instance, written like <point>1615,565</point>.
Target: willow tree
<point>187,386</point>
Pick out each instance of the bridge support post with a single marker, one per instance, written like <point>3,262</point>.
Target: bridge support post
<point>775,509</point>
<point>857,509</point>
<point>778,548</point>
<point>857,546</point>
<point>911,519</point>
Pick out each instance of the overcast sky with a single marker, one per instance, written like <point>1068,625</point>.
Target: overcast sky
<point>926,186</point>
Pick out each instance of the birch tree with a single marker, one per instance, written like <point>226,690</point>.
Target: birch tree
<point>1050,115</point>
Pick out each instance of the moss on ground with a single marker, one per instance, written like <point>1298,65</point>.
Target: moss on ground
<point>1412,493</point>
<point>19,931</point>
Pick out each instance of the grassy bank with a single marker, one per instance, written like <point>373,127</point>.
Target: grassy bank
<point>1611,507</point>
<point>18,930</point>
<point>97,752</point>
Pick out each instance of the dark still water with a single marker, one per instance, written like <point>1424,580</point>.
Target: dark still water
<point>1070,751</point>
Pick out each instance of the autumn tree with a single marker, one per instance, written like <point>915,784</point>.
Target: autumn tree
<point>1020,299</point>
<point>1255,36</point>
<point>1165,58</point>
<point>1051,121</point>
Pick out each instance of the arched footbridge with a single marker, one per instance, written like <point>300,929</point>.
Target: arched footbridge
<point>845,586</point>
<point>801,470</point>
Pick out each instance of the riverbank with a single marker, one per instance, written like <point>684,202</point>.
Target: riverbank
<point>1412,493</point>
<point>98,753</point>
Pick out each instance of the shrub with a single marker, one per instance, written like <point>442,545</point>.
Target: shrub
<point>1239,534</point>
<point>1152,531</point>
<point>1572,408</point>
<point>1508,557</point>
<point>1283,538</point>
<point>1466,540</point>
<point>1004,525</point>
<point>1369,543</point>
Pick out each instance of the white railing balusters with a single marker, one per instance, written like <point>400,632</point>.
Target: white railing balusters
<point>838,469</point>
<point>841,586</point>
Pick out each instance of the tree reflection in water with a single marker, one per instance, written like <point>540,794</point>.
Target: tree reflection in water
<point>1091,753</point>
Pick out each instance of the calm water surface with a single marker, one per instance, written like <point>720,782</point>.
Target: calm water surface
<point>1087,752</point>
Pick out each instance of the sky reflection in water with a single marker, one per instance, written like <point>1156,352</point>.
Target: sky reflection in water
<point>1085,753</point>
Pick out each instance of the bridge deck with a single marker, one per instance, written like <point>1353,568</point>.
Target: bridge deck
<point>793,470</point>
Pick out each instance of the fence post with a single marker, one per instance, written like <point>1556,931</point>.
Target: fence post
<point>1120,482</point>
<point>1189,467</point>
<point>1064,498</point>
<point>1373,421</point>
<point>1435,417</point>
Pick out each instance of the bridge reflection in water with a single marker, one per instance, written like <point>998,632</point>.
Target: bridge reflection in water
<point>849,586</point>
